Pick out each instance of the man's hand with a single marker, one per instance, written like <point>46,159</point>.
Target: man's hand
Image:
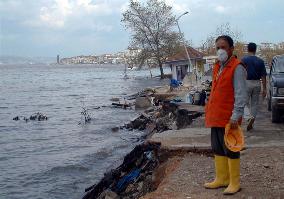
<point>234,124</point>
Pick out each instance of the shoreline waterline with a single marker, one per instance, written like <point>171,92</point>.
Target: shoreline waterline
<point>58,158</point>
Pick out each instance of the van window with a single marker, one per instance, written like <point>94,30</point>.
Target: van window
<point>279,64</point>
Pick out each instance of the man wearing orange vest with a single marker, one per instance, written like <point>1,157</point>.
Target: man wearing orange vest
<point>226,105</point>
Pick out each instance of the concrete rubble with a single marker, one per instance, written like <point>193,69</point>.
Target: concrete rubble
<point>182,158</point>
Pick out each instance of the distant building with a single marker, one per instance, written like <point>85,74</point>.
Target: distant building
<point>268,45</point>
<point>180,65</point>
<point>281,45</point>
<point>209,62</point>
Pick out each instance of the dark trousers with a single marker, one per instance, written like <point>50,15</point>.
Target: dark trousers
<point>218,144</point>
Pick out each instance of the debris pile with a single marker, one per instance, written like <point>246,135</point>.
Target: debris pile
<point>140,100</point>
<point>163,118</point>
<point>135,177</point>
<point>132,179</point>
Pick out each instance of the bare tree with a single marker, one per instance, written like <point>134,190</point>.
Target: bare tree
<point>239,49</point>
<point>226,29</point>
<point>208,46</point>
<point>152,26</point>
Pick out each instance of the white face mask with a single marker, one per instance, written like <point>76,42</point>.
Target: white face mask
<point>222,55</point>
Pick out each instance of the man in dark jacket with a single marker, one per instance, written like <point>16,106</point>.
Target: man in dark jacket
<point>255,72</point>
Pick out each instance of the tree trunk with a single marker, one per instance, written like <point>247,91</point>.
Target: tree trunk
<point>161,69</point>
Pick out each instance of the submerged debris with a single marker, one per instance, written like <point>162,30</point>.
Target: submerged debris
<point>124,106</point>
<point>86,116</point>
<point>16,118</point>
<point>35,117</point>
<point>38,116</point>
<point>115,129</point>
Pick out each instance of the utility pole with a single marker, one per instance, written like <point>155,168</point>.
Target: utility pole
<point>185,48</point>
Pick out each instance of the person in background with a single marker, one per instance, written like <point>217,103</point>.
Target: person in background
<point>255,72</point>
<point>226,104</point>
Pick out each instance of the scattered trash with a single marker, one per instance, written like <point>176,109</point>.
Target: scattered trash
<point>132,179</point>
<point>126,180</point>
<point>175,84</point>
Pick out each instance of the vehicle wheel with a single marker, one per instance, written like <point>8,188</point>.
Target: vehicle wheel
<point>269,104</point>
<point>275,115</point>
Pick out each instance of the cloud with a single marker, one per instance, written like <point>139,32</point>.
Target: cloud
<point>178,7</point>
<point>220,9</point>
<point>74,27</point>
<point>57,13</point>
<point>54,16</point>
<point>103,27</point>
<point>102,8</point>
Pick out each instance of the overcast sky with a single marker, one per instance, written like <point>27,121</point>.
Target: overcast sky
<point>84,27</point>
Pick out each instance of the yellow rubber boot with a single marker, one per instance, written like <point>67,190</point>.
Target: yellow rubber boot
<point>221,172</point>
<point>234,170</point>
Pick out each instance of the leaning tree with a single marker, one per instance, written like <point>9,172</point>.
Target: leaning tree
<point>152,25</point>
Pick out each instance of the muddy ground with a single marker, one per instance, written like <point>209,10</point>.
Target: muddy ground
<point>262,176</point>
<point>262,165</point>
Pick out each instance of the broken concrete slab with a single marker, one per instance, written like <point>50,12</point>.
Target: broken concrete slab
<point>183,139</point>
<point>191,107</point>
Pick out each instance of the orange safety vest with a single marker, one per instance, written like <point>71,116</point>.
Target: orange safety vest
<point>219,108</point>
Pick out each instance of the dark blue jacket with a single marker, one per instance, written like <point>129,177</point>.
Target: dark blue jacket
<point>255,67</point>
